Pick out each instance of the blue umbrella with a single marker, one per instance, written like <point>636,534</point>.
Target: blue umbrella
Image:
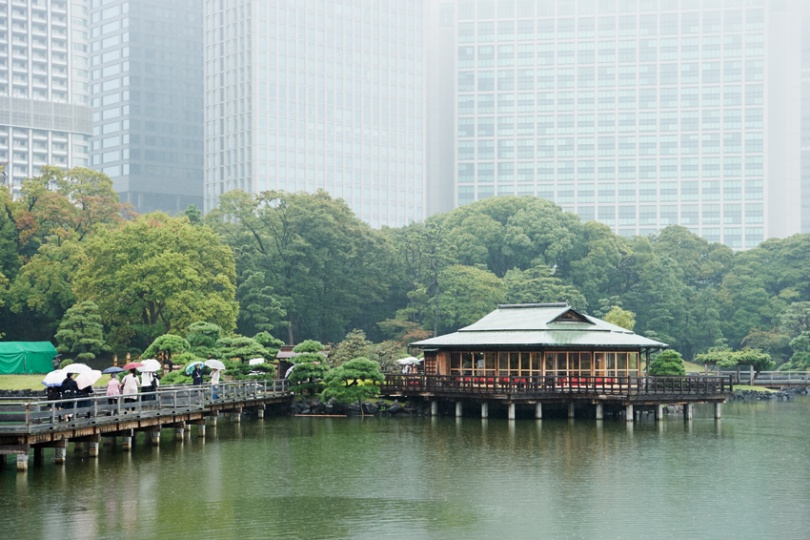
<point>190,367</point>
<point>112,370</point>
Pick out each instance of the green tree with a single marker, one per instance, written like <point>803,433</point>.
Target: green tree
<point>621,317</point>
<point>259,309</point>
<point>667,362</point>
<point>242,347</point>
<point>328,270</point>
<point>166,346</point>
<point>202,337</point>
<point>801,352</point>
<point>354,381</point>
<point>355,345</point>
<point>156,275</point>
<point>310,368</point>
<point>271,344</point>
<point>81,333</point>
<point>538,284</point>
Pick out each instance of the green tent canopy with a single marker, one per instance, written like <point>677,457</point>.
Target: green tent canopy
<point>26,357</point>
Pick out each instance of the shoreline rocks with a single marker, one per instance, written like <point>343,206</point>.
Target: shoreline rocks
<point>785,394</point>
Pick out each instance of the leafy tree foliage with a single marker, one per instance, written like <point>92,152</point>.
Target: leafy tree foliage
<point>166,346</point>
<point>801,352</point>
<point>668,362</point>
<point>327,268</point>
<point>156,275</point>
<point>81,334</point>
<point>271,344</point>
<point>354,381</point>
<point>355,345</point>
<point>202,338</point>
<point>310,368</point>
<point>621,317</point>
<point>241,347</point>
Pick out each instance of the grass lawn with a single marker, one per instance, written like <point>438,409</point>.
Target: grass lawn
<point>34,382</point>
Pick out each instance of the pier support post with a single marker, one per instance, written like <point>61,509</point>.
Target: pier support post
<point>92,446</point>
<point>485,410</point>
<point>659,412</point>
<point>511,411</point>
<point>179,431</point>
<point>718,411</point>
<point>458,409</point>
<point>629,412</point>
<point>126,440</point>
<point>39,455</point>
<point>201,431</point>
<point>571,410</point>
<point>538,411</point>
<point>213,420</point>
<point>154,436</point>
<point>22,462</point>
<point>600,411</point>
<point>60,452</point>
<point>260,413</point>
<point>434,408</point>
<point>687,411</point>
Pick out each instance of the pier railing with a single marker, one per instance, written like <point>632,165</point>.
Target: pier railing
<point>31,415</point>
<point>553,385</point>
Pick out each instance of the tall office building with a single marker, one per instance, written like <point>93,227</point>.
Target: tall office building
<point>147,98</point>
<point>636,113</point>
<point>44,111</point>
<point>303,95</point>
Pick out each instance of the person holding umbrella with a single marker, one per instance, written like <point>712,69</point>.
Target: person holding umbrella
<point>69,390</point>
<point>129,386</point>
<point>113,390</point>
<point>197,375</point>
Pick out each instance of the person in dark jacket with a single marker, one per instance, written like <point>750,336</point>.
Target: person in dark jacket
<point>197,376</point>
<point>70,390</point>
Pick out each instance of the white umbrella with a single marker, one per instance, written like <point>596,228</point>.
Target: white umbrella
<point>214,364</point>
<point>87,378</point>
<point>54,378</point>
<point>77,368</point>
<point>255,361</point>
<point>149,365</point>
<point>408,361</point>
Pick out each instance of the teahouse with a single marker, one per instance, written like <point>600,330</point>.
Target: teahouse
<point>535,354</point>
<point>530,340</point>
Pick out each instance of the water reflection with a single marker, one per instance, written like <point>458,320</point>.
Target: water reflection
<point>422,478</point>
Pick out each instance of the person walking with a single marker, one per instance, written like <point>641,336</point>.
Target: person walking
<point>147,385</point>
<point>197,375</point>
<point>113,390</point>
<point>70,390</point>
<point>215,384</point>
<point>129,387</point>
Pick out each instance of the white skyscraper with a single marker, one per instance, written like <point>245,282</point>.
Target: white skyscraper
<point>44,112</point>
<point>636,113</point>
<point>301,96</point>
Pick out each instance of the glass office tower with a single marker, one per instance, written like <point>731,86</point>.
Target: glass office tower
<point>147,99</point>
<point>635,113</point>
<point>44,111</point>
<point>307,95</point>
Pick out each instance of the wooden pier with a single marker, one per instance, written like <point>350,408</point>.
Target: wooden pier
<point>633,394</point>
<point>36,424</point>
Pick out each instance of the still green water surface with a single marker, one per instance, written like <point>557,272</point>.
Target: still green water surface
<point>744,477</point>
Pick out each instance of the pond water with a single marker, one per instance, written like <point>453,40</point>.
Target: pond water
<point>746,476</point>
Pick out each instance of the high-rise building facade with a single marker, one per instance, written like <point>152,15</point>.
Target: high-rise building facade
<point>635,113</point>
<point>304,95</point>
<point>147,97</point>
<point>44,110</point>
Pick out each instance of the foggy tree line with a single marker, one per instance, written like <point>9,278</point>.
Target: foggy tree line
<point>303,266</point>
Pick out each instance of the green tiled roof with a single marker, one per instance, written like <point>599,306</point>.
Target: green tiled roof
<point>540,325</point>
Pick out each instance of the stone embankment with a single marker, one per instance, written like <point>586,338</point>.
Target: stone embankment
<point>315,407</point>
<point>781,395</point>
